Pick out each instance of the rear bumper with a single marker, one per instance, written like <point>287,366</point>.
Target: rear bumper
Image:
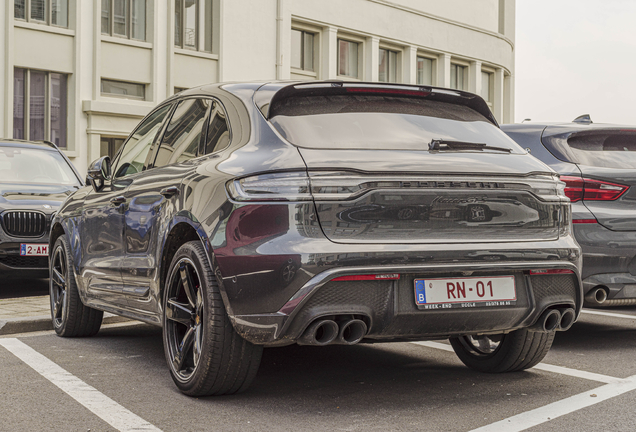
<point>275,268</point>
<point>609,260</point>
<point>389,309</point>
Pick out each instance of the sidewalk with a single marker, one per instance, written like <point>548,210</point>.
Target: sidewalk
<point>30,314</point>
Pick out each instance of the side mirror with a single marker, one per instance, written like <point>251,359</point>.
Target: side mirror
<point>98,173</point>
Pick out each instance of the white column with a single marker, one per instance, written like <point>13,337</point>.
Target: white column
<point>509,99</point>
<point>283,39</point>
<point>6,73</point>
<point>160,52</point>
<point>474,77</point>
<point>443,70</point>
<point>498,102</point>
<point>409,65</point>
<point>371,59</point>
<point>329,54</point>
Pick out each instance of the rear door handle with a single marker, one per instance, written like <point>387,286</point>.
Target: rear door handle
<point>169,191</point>
<point>118,200</point>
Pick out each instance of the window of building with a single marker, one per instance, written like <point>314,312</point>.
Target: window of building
<point>40,109</point>
<point>424,71</point>
<point>124,18</point>
<point>181,140</point>
<point>50,12</point>
<point>458,77</point>
<point>109,146</point>
<point>122,89</point>
<point>388,66</point>
<point>193,24</point>
<point>302,50</point>
<point>487,87</point>
<point>348,58</point>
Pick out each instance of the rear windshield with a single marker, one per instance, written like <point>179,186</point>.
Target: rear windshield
<point>382,122</point>
<point>606,149</point>
<point>28,165</point>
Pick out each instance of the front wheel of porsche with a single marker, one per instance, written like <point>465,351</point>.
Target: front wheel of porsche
<point>511,352</point>
<point>204,353</point>
<point>71,318</point>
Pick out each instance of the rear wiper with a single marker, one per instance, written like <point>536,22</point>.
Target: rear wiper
<point>444,145</point>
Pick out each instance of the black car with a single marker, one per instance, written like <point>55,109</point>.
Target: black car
<point>242,216</point>
<point>597,162</point>
<point>35,178</point>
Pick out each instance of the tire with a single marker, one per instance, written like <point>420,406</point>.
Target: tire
<point>204,353</point>
<point>69,315</point>
<point>512,352</point>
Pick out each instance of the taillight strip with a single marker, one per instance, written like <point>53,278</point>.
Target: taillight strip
<point>390,276</point>
<point>550,271</point>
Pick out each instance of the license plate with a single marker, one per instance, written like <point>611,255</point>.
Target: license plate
<point>465,292</point>
<point>34,249</point>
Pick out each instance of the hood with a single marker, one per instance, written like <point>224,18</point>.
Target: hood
<point>46,198</point>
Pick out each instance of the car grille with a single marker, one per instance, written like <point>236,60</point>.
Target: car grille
<point>546,286</point>
<point>24,223</point>
<point>25,262</point>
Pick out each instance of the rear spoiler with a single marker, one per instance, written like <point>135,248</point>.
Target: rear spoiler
<point>269,97</point>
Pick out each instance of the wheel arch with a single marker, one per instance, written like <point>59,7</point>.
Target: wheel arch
<point>183,230</point>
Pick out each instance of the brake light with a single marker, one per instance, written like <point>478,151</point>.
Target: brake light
<point>420,93</point>
<point>573,187</point>
<point>390,276</point>
<point>551,271</point>
<point>584,221</point>
<point>577,188</point>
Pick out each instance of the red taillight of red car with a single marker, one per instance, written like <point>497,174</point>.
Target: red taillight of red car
<point>577,188</point>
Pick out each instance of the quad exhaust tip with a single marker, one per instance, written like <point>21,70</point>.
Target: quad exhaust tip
<point>326,331</point>
<point>320,332</point>
<point>554,320</point>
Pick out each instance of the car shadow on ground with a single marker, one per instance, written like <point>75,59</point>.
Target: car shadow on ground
<point>14,288</point>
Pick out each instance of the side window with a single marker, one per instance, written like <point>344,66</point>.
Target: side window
<point>218,136</point>
<point>181,140</point>
<point>133,156</point>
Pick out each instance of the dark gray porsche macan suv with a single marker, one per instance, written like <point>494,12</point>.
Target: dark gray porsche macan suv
<point>243,216</point>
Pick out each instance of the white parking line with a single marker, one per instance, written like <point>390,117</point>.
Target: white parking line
<point>541,366</point>
<point>560,408</point>
<point>101,405</point>
<point>608,314</point>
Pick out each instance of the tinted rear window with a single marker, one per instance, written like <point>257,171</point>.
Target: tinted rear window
<point>382,122</point>
<point>607,149</point>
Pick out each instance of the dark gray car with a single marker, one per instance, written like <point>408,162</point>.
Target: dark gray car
<point>242,216</point>
<point>598,164</point>
<point>35,178</point>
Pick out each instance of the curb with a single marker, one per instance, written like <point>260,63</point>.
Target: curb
<point>42,323</point>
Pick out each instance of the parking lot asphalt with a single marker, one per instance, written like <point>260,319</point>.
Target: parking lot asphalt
<point>118,380</point>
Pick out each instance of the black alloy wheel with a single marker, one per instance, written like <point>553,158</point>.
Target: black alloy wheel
<point>204,353</point>
<point>510,352</point>
<point>70,317</point>
<point>184,319</point>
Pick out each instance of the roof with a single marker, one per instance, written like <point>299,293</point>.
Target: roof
<point>47,145</point>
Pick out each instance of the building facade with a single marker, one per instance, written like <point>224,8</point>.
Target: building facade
<point>82,73</point>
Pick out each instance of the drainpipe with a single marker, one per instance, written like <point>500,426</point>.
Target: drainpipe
<point>279,39</point>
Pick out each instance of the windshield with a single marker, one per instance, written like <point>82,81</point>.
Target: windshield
<point>28,165</point>
<point>383,123</point>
